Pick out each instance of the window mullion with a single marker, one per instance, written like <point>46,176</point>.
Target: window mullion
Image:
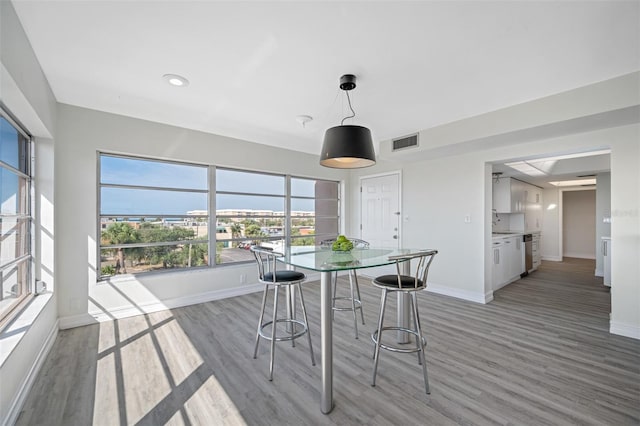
<point>213,217</point>
<point>287,211</point>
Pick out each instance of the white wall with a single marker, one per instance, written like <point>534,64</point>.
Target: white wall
<point>603,217</point>
<point>550,243</point>
<point>437,194</point>
<point>25,92</point>
<point>81,134</point>
<point>579,224</point>
<point>625,236</point>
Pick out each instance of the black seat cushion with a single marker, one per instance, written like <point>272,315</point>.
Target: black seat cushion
<point>391,281</point>
<point>284,276</point>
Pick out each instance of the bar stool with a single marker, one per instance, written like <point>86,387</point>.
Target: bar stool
<point>270,277</point>
<point>354,299</point>
<point>408,285</point>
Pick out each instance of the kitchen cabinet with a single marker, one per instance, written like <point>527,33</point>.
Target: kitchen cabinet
<point>535,251</point>
<point>514,254</point>
<point>514,196</point>
<point>533,208</point>
<point>606,257</point>
<point>508,196</point>
<point>499,267</point>
<point>508,260</point>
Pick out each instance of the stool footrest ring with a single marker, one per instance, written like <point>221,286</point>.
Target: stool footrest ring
<point>357,302</point>
<point>374,338</point>
<point>288,335</point>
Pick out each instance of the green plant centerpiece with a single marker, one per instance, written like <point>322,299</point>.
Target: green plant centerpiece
<point>342,244</point>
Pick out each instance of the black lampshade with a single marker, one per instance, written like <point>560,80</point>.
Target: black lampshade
<point>347,147</point>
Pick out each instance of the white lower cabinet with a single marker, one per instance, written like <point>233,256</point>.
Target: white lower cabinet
<point>515,257</point>
<point>508,260</point>
<point>499,271</point>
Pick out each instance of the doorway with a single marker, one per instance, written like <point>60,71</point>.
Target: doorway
<point>578,224</point>
<point>380,213</point>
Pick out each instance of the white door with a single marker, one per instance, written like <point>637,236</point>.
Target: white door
<point>380,213</point>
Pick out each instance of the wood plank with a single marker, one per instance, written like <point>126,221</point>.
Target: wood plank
<point>540,353</point>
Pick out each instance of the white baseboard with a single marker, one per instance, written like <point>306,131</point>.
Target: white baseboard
<point>580,255</point>
<point>627,330</point>
<point>25,388</point>
<point>74,321</point>
<point>149,307</point>
<point>552,258</point>
<point>599,273</point>
<point>471,296</point>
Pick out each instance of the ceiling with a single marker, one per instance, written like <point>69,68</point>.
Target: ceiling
<point>254,66</point>
<point>549,169</point>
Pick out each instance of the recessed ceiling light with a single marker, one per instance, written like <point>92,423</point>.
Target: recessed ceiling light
<point>578,182</point>
<point>176,80</point>
<point>526,168</point>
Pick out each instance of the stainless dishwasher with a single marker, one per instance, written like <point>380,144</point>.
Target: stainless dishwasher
<point>528,252</point>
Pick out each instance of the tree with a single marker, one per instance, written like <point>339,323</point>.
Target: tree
<point>254,231</point>
<point>170,256</point>
<point>236,230</point>
<point>120,233</point>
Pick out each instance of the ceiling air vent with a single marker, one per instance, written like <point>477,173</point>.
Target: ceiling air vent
<point>405,142</point>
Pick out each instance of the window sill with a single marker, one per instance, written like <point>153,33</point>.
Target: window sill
<point>153,274</point>
<point>14,332</point>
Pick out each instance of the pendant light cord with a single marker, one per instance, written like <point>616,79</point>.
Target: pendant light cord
<point>353,113</point>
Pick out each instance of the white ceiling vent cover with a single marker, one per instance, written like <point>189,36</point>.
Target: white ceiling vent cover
<point>410,141</point>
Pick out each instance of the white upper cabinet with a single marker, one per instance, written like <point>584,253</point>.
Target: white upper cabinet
<point>513,196</point>
<point>508,196</point>
<point>533,210</point>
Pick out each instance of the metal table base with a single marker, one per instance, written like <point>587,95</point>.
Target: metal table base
<point>326,333</point>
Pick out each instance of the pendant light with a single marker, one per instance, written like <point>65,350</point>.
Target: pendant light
<point>347,146</point>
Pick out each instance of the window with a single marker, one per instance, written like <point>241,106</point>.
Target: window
<point>250,209</point>
<point>153,215</point>
<point>314,211</point>
<point>15,217</point>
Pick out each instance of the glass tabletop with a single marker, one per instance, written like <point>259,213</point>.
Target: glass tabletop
<point>324,259</point>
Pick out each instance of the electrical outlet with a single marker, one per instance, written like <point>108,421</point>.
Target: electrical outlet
<point>467,219</point>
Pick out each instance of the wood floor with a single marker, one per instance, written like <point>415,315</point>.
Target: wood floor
<point>539,354</point>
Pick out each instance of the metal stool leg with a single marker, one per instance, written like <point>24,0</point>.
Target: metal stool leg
<point>353,305</point>
<point>421,352</point>
<point>413,302</point>
<point>273,331</point>
<point>264,301</point>
<point>355,279</point>
<point>306,321</point>
<point>378,340</point>
<point>292,327</point>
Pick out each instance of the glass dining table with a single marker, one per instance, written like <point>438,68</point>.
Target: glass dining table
<point>326,261</point>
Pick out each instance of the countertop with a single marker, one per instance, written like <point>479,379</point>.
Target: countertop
<point>505,234</point>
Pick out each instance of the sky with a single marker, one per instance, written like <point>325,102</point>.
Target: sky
<point>9,155</point>
<point>127,171</point>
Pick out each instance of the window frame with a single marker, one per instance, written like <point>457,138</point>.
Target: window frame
<point>100,216</point>
<point>315,215</point>
<point>213,215</point>
<point>284,197</point>
<point>28,258</point>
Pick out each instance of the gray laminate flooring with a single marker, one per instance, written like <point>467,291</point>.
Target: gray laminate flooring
<point>539,354</point>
